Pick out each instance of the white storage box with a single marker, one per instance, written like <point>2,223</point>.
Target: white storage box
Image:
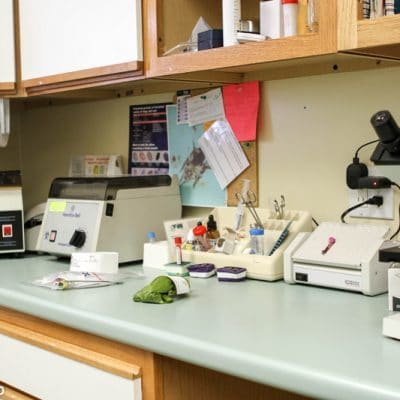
<point>269,268</point>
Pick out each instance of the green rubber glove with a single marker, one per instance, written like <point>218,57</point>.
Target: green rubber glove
<point>160,291</point>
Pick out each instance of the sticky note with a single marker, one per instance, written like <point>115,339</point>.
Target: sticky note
<point>57,206</point>
<point>241,103</point>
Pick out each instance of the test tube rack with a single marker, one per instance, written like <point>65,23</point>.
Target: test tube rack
<point>263,267</point>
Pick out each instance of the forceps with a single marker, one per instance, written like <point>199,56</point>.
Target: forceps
<point>280,207</point>
<point>249,200</point>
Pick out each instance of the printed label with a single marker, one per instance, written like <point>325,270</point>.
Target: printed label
<point>182,285</point>
<point>57,206</point>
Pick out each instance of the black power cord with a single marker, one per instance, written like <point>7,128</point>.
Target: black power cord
<point>376,200</point>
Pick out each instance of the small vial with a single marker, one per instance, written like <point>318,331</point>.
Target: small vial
<point>178,249</point>
<point>290,11</point>
<point>151,237</point>
<point>257,241</point>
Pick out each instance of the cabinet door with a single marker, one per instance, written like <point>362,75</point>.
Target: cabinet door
<point>79,43</point>
<point>7,52</point>
<point>46,375</point>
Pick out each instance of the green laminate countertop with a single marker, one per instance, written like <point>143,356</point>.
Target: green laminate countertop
<point>319,342</point>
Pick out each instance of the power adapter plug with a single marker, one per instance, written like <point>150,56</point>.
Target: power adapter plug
<point>354,172</point>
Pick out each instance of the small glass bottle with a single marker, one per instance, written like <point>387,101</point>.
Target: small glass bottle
<point>257,241</point>
<point>312,15</point>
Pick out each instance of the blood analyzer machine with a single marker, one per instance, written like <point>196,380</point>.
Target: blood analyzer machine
<point>89,214</point>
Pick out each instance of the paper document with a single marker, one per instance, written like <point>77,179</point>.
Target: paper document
<point>223,152</point>
<point>205,107</point>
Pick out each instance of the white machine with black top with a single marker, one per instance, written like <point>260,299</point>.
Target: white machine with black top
<point>341,256</point>
<point>11,213</point>
<point>107,214</point>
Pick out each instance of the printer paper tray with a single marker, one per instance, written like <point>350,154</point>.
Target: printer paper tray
<point>340,278</point>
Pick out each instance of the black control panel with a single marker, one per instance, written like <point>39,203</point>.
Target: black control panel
<point>11,231</point>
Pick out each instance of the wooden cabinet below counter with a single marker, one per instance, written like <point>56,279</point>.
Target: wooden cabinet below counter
<point>81,360</point>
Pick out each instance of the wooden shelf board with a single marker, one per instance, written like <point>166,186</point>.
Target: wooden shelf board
<point>235,56</point>
<point>382,31</point>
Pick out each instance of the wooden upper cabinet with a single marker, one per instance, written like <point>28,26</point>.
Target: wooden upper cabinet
<point>169,22</point>
<point>77,43</point>
<point>378,37</point>
<point>7,48</point>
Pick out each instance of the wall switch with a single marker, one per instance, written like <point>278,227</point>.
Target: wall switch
<point>385,211</point>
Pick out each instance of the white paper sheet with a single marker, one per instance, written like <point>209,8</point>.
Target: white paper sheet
<point>223,152</point>
<point>205,107</point>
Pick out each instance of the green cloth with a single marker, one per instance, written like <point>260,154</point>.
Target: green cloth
<point>160,291</point>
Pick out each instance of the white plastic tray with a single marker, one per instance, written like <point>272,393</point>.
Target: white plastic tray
<point>269,268</point>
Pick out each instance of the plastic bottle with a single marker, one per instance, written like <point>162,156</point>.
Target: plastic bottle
<point>178,249</point>
<point>151,237</point>
<point>257,241</point>
<point>290,11</point>
<point>231,15</point>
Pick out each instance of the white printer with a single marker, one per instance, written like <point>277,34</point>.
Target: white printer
<point>88,214</point>
<point>11,213</point>
<point>342,256</point>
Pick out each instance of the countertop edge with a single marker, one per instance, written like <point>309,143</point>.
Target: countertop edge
<point>274,373</point>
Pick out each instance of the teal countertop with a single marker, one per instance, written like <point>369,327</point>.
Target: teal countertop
<point>318,342</point>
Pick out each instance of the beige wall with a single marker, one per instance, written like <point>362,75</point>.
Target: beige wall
<point>309,129</point>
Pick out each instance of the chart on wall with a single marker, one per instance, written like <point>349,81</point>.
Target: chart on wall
<point>198,184</point>
<point>148,140</point>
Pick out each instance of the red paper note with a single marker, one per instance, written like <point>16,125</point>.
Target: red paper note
<point>241,109</point>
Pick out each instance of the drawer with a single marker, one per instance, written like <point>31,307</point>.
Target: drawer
<point>47,375</point>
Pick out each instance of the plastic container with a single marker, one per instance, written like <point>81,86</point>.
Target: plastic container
<point>290,12</point>
<point>151,237</point>
<point>257,241</point>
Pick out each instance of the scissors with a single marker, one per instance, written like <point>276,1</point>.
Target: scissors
<point>249,200</point>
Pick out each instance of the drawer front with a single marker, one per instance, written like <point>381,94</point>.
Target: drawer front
<point>50,376</point>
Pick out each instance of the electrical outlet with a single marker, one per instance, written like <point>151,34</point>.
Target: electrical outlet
<point>385,211</point>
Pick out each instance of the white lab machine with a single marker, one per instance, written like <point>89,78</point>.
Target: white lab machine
<point>107,214</point>
<point>11,213</point>
<point>341,256</point>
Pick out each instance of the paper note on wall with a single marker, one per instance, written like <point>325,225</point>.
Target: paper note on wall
<point>205,107</point>
<point>241,104</point>
<point>223,152</point>
<point>198,186</point>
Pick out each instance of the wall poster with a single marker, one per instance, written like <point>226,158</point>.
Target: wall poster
<point>148,140</point>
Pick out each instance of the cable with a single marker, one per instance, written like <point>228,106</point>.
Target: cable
<point>315,221</point>
<point>365,144</point>
<point>377,200</point>
<point>398,228</point>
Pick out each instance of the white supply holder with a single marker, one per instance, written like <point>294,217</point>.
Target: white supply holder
<point>268,268</point>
